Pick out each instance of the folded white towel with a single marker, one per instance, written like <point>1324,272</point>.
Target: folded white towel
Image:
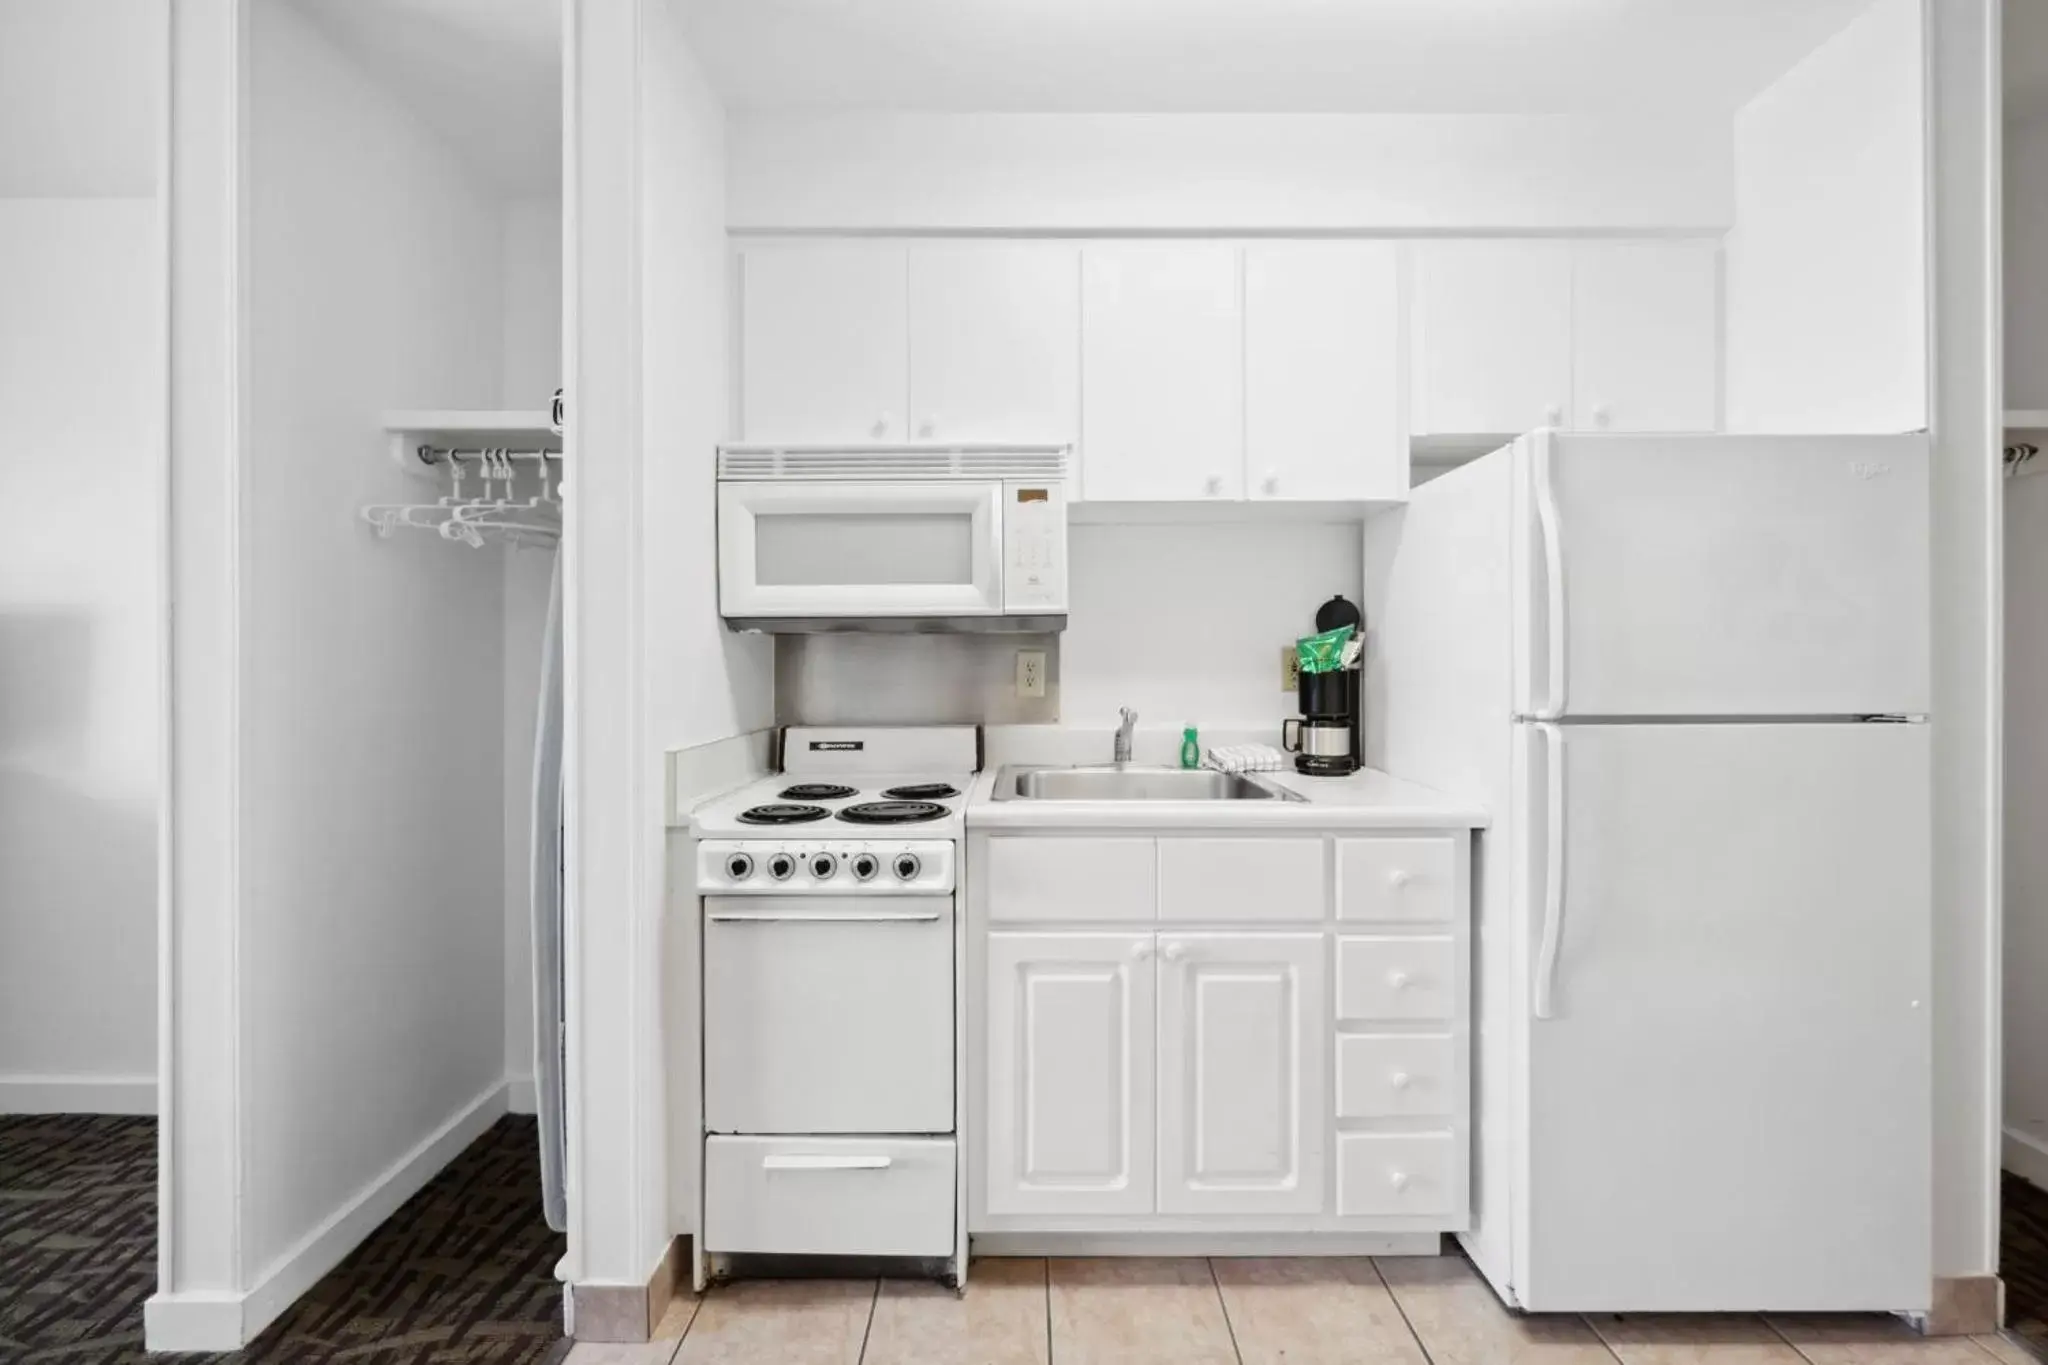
<point>1245,758</point>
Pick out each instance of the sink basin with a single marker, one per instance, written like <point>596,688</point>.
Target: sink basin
<point>1129,782</point>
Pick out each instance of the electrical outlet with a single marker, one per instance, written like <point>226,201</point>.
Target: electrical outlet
<point>1030,672</point>
<point>1290,669</point>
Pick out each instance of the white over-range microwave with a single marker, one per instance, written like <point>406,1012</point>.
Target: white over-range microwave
<point>892,539</point>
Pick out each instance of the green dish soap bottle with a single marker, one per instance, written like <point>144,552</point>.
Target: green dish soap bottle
<point>1190,749</point>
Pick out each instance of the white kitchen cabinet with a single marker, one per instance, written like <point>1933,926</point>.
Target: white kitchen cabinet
<point>823,342</point>
<point>1323,372</point>
<point>1162,371</point>
<point>1646,336</point>
<point>1070,1054</point>
<point>995,341</point>
<point>1236,877</point>
<point>1492,337</point>
<point>1243,1035</point>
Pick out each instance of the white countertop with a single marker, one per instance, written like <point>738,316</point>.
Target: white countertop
<point>1367,799</point>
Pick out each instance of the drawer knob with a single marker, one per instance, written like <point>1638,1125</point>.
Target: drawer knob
<point>1399,878</point>
<point>1398,979</point>
<point>1398,1179</point>
<point>1213,485</point>
<point>1399,1080</point>
<point>1174,952</point>
<point>1140,951</point>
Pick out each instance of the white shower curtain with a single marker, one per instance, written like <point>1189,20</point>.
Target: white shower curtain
<point>548,894</point>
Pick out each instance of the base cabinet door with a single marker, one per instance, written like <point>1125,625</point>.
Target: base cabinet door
<point>1244,1027</point>
<point>1070,1073</point>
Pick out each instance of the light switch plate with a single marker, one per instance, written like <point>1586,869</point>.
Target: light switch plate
<point>1290,669</point>
<point>1030,672</point>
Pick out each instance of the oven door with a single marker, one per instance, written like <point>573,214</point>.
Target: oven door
<point>860,549</point>
<point>828,1014</point>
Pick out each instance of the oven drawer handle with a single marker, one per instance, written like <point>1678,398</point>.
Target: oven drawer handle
<point>931,918</point>
<point>825,1163</point>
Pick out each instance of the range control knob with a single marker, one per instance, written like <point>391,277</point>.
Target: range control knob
<point>907,866</point>
<point>865,866</point>
<point>781,866</point>
<point>739,866</point>
<point>823,865</point>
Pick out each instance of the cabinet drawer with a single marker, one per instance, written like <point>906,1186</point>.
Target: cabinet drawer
<point>1396,1076</point>
<point>1394,1174</point>
<point>1206,880</point>
<point>1072,880</point>
<point>1397,879</point>
<point>829,1196</point>
<point>1396,978</point>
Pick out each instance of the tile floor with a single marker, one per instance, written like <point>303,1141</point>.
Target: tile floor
<point>1393,1311</point>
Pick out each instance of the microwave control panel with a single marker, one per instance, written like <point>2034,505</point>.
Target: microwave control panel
<point>1035,547</point>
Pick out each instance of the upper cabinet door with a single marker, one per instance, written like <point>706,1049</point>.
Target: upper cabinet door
<point>1323,371</point>
<point>1492,337</point>
<point>1646,336</point>
<point>1162,365</point>
<point>995,341</point>
<point>824,348</point>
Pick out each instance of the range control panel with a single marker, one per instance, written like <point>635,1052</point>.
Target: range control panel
<point>829,867</point>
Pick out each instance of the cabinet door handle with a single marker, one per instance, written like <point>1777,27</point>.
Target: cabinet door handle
<point>1140,951</point>
<point>825,1163</point>
<point>1174,952</point>
<point>1213,485</point>
<point>1553,416</point>
<point>881,427</point>
<point>930,425</point>
<point>1398,979</point>
<point>1399,878</point>
<point>1399,1080</point>
<point>1398,1179</point>
<point>1272,484</point>
<point>1601,415</point>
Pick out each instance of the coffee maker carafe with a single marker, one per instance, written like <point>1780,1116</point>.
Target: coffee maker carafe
<point>1324,738</point>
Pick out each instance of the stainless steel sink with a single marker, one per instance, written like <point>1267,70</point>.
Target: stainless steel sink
<point>1130,782</point>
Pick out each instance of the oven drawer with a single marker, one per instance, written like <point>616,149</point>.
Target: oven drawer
<point>829,1196</point>
<point>828,1014</point>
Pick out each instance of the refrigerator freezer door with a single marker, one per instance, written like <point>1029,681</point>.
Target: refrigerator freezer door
<point>1677,576</point>
<point>1728,1107</point>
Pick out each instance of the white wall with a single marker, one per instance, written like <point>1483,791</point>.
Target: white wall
<point>704,683</point>
<point>81,417</point>
<point>81,97</point>
<point>81,413</point>
<point>1827,277</point>
<point>371,956</point>
<point>1185,624</point>
<point>1229,172</point>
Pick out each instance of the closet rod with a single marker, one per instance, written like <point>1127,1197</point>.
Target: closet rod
<point>441,454</point>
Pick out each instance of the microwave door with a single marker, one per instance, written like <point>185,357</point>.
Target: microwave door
<point>860,550</point>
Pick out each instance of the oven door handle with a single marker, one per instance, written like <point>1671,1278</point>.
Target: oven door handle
<point>931,918</point>
<point>825,1163</point>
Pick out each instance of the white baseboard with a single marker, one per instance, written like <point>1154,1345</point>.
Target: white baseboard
<point>520,1097</point>
<point>226,1322</point>
<point>2026,1156</point>
<point>1206,1244</point>
<point>77,1094</point>
<point>192,1322</point>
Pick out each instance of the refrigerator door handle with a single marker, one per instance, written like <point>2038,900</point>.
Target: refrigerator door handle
<point>1551,940</point>
<point>1548,529</point>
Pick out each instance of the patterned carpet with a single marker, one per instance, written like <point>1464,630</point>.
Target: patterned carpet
<point>462,1275</point>
<point>2023,1261</point>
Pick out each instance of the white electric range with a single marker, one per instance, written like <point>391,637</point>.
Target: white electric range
<point>831,951</point>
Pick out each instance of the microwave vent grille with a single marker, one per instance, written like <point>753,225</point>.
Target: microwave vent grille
<point>760,463</point>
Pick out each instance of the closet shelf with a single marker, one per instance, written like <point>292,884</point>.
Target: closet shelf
<point>507,428</point>
<point>2026,419</point>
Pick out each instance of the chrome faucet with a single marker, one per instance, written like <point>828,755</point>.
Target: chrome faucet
<point>1124,727</point>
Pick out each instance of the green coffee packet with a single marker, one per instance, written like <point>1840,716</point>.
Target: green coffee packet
<point>1323,653</point>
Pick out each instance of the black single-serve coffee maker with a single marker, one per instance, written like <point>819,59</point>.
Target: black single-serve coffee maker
<point>1324,738</point>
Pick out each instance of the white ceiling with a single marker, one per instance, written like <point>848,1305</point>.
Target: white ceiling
<point>485,74</point>
<point>1481,56</point>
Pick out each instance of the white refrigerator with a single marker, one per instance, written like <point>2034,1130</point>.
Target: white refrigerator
<point>1689,677</point>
